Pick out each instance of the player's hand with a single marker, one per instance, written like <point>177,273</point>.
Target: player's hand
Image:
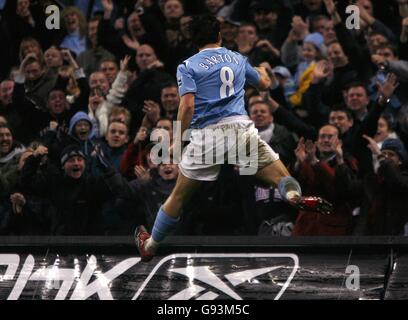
<point>271,75</point>
<point>265,79</point>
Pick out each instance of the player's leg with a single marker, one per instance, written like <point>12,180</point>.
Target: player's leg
<point>168,217</point>
<point>181,193</point>
<point>276,174</point>
<point>270,169</point>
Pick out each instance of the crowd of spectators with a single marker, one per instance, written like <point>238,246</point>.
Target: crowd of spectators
<point>78,106</point>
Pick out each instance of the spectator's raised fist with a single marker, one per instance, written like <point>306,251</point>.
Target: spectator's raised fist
<point>141,135</point>
<point>40,151</point>
<point>18,201</point>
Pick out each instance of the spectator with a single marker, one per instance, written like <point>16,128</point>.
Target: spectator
<point>170,100</point>
<point>229,32</point>
<point>74,26</point>
<point>91,58</point>
<point>53,59</point>
<point>173,10</point>
<point>271,20</point>
<point>309,8</point>
<point>146,86</point>
<point>36,80</point>
<point>110,68</point>
<point>383,209</point>
<point>120,114</point>
<point>10,152</point>
<point>384,132</point>
<point>256,50</point>
<point>75,197</point>
<point>318,175</point>
<point>98,79</point>
<point>183,49</point>
<point>140,29</point>
<point>114,145</point>
<point>277,136</point>
<point>100,108</point>
<point>148,195</point>
<point>312,53</point>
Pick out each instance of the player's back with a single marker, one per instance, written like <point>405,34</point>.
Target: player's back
<point>217,78</point>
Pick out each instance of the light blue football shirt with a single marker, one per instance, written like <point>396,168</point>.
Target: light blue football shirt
<point>217,78</point>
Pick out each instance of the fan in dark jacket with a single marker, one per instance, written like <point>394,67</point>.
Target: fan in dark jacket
<point>384,194</point>
<point>75,197</point>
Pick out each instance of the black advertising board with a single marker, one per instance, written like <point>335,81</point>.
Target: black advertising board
<point>229,270</point>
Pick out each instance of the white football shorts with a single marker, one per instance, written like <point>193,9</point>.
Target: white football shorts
<point>234,141</point>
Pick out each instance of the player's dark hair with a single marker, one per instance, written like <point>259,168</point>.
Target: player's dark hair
<point>204,29</point>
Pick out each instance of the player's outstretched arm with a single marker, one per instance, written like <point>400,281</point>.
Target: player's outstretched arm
<point>264,80</point>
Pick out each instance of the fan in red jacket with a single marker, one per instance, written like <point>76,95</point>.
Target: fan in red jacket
<point>316,169</point>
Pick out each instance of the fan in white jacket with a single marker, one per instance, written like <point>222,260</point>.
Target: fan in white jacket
<point>100,108</point>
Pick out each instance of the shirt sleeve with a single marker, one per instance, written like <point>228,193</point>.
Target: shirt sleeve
<point>185,81</point>
<point>252,76</point>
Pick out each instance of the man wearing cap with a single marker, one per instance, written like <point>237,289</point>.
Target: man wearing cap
<point>229,32</point>
<point>384,195</point>
<point>286,82</point>
<point>75,197</point>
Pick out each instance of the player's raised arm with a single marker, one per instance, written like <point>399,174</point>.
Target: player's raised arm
<point>257,77</point>
<point>264,80</point>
